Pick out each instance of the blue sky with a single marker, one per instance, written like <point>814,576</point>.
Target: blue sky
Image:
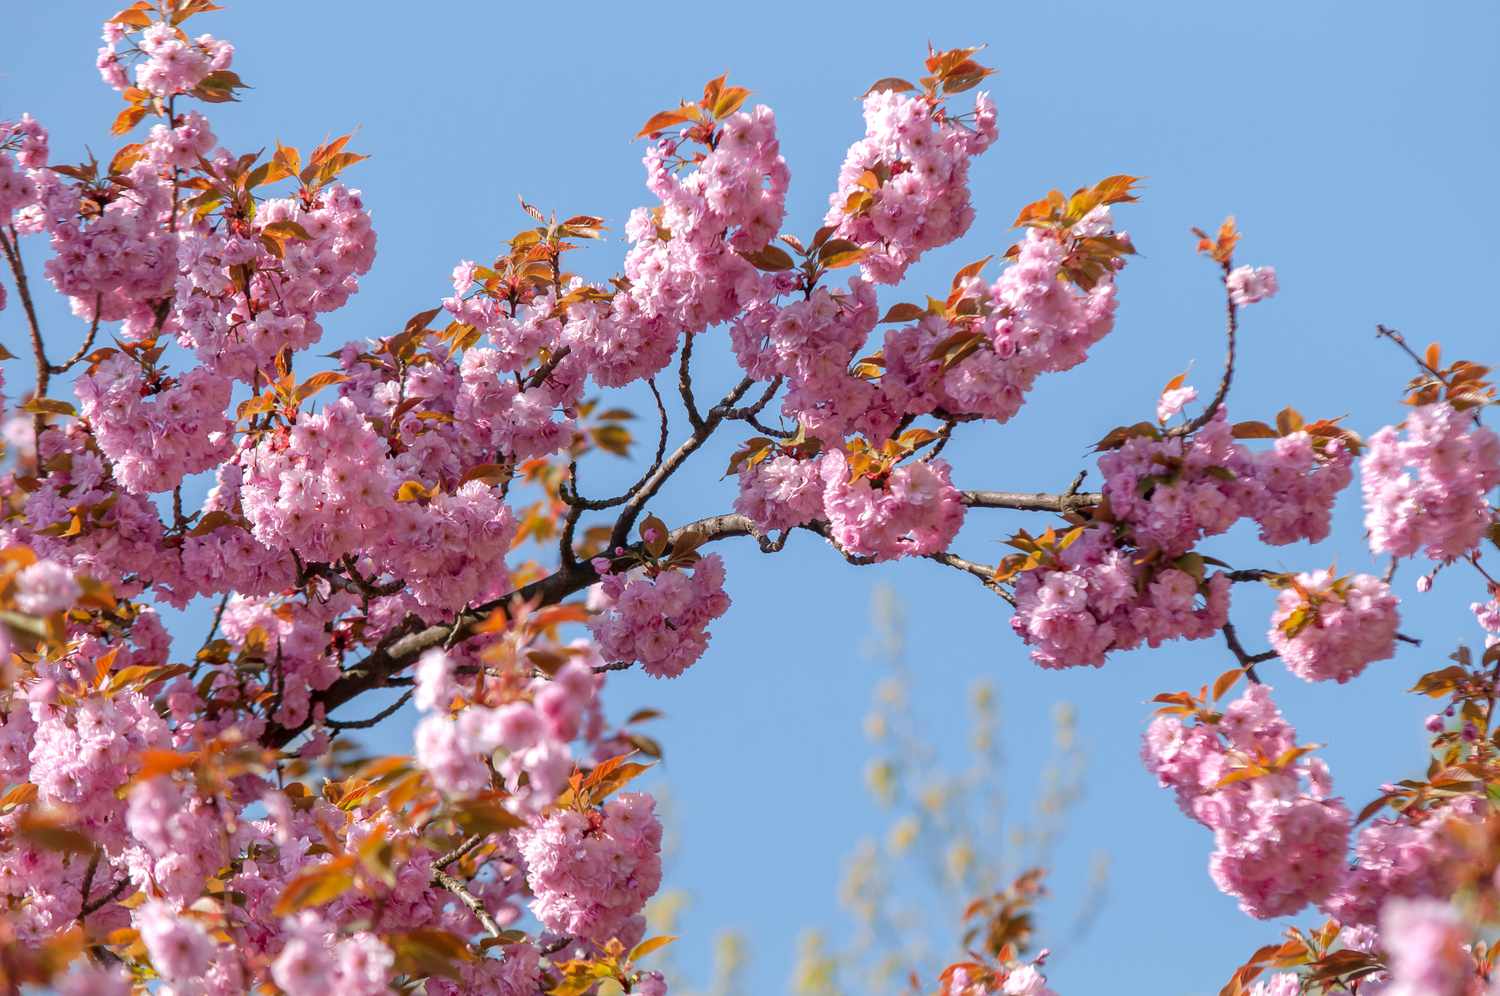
<point>1356,143</point>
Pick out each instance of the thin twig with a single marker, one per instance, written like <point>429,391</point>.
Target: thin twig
<point>685,384</point>
<point>570,494</point>
<point>1231,326</point>
<point>88,340</point>
<point>468,898</point>
<point>1382,331</point>
<point>467,847</point>
<point>12,250</point>
<point>545,370</point>
<point>105,899</point>
<point>946,433</point>
<point>654,482</point>
<point>365,724</point>
<point>88,881</point>
<point>1247,660</point>
<point>751,410</point>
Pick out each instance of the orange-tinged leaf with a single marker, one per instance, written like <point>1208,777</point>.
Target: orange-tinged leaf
<point>654,535</point>
<point>1253,430</point>
<point>52,831</point>
<point>289,159</point>
<point>771,258</point>
<point>847,257</point>
<point>486,815</point>
<point>281,230</point>
<point>904,313</point>
<point>729,100</point>
<point>316,885</point>
<point>317,382</point>
<point>258,405</point>
<point>428,952</point>
<point>127,119</point>
<point>48,406</point>
<point>893,83</point>
<point>137,15</point>
<point>649,945</point>
<point>972,270</point>
<point>489,473</point>
<point>143,674</point>
<point>18,795</point>
<point>1227,680</point>
<point>662,120</point>
<point>382,766</point>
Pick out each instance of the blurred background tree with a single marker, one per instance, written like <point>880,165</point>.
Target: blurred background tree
<point>950,838</point>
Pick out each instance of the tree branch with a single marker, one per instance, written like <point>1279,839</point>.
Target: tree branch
<point>685,384</point>
<point>570,495</point>
<point>679,456</point>
<point>380,668</point>
<point>468,898</point>
<point>1231,326</point>
<point>469,845</point>
<point>365,724</point>
<point>88,340</point>
<point>1247,660</point>
<point>1033,501</point>
<point>11,247</point>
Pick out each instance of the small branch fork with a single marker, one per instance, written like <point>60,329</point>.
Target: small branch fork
<point>1247,660</point>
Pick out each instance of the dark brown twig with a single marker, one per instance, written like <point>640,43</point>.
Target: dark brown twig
<point>365,724</point>
<point>1247,660</point>
<point>1231,327</point>
<point>685,384</point>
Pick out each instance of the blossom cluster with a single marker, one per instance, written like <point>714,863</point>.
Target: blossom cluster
<point>810,343</point>
<point>1425,488</point>
<point>1279,839</point>
<point>780,492</point>
<point>1127,581</point>
<point>171,62</point>
<point>592,872</point>
<point>533,731</point>
<point>1329,629</point>
<point>239,330</point>
<point>154,439</point>
<point>1037,322</point>
<point>1410,856</point>
<point>1096,597</point>
<point>1174,491</point>
<point>684,264</point>
<point>1428,948</point>
<point>923,200</point>
<point>662,620</point>
<point>913,510</point>
<point>24,147</point>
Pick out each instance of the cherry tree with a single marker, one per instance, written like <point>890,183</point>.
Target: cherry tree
<point>415,517</point>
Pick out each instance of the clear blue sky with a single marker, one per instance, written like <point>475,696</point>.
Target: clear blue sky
<point>1357,143</point>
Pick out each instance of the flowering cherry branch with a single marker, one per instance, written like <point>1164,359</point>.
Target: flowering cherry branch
<point>411,518</point>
